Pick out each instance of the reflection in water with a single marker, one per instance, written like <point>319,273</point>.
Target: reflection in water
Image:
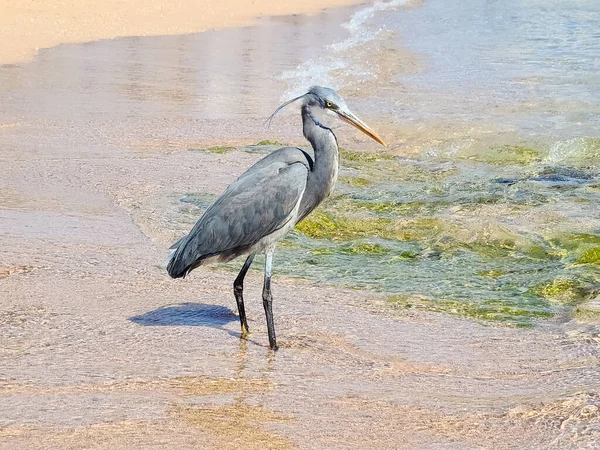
<point>242,359</point>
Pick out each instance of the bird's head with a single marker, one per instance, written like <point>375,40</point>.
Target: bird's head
<point>323,103</point>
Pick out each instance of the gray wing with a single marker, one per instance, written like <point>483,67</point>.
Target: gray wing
<point>257,204</point>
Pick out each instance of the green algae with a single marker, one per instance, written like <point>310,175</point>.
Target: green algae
<point>386,206</point>
<point>363,157</point>
<point>488,311</point>
<point>518,154</point>
<point>572,241</point>
<point>353,248</point>
<point>288,243</point>
<point>320,225</point>
<point>586,314</point>
<point>403,256</point>
<point>493,273</point>
<point>490,243</point>
<point>492,250</point>
<point>590,256</point>
<point>436,192</point>
<point>325,225</point>
<point>344,204</point>
<point>494,241</point>
<point>505,154</point>
<point>343,218</point>
<point>579,248</point>
<point>219,150</point>
<point>580,151</point>
<point>537,251</point>
<point>563,291</point>
<point>382,168</point>
<point>355,181</point>
<point>268,142</point>
<point>401,208</point>
<point>364,248</point>
<point>322,251</point>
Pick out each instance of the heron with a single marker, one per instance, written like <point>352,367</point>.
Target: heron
<point>268,200</point>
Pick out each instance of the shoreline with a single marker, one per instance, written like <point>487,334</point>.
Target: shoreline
<point>27,27</point>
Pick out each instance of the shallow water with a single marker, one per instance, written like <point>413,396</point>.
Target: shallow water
<point>501,118</point>
<point>533,66</point>
<point>502,242</point>
<point>184,76</point>
<point>528,68</point>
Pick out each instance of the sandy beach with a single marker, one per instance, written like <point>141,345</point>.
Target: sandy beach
<point>110,149</point>
<point>26,26</point>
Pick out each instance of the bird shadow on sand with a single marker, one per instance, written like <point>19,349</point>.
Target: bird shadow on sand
<point>189,315</point>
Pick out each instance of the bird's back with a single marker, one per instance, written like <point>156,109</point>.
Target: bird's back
<point>260,202</point>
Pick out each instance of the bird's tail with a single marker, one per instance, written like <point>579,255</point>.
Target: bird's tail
<point>175,264</point>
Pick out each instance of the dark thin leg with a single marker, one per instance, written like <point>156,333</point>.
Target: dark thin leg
<point>238,291</point>
<point>268,300</point>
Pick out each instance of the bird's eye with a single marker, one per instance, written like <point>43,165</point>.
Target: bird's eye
<point>329,105</point>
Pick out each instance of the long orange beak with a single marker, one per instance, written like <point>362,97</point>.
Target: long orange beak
<point>347,116</point>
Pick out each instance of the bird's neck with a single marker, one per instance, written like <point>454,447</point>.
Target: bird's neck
<point>324,172</point>
<point>322,139</point>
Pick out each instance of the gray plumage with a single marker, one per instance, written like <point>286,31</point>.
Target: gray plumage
<point>252,207</point>
<point>268,200</point>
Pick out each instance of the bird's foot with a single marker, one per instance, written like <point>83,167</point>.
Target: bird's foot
<point>245,331</point>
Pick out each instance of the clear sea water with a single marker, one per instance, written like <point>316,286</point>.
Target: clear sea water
<point>526,66</point>
<point>495,107</point>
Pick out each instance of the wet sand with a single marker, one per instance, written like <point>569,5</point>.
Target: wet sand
<point>100,349</point>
